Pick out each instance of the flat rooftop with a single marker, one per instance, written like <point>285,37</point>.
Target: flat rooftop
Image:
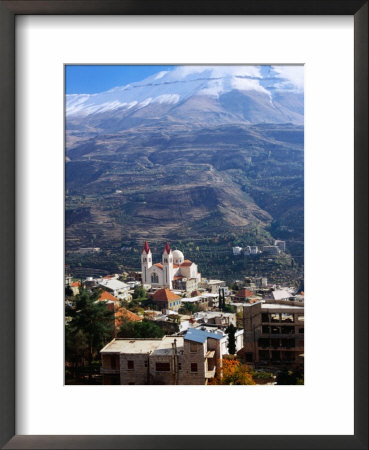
<point>165,346</point>
<point>278,306</point>
<point>159,346</point>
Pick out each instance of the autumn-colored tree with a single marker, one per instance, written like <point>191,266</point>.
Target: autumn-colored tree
<point>233,372</point>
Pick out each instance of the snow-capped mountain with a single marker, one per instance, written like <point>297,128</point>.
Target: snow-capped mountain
<point>204,94</point>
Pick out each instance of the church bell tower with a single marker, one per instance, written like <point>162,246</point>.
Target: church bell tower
<point>146,262</point>
<point>167,261</point>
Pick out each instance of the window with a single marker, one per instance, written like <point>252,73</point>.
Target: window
<point>265,317</point>
<point>301,330</point>
<point>154,278</point>
<point>264,343</point>
<point>179,366</point>
<point>274,317</point>
<point>287,317</point>
<point>130,365</point>
<point>146,363</point>
<point>193,347</point>
<point>162,367</point>
<point>193,367</point>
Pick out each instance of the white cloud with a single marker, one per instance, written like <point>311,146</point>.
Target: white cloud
<point>291,75</point>
<point>247,84</point>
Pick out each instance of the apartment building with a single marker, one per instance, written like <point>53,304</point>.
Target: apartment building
<point>274,334</point>
<point>189,359</point>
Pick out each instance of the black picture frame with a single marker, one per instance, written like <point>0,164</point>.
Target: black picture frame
<point>8,11</point>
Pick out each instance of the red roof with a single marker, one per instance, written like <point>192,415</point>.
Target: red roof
<point>187,262</point>
<point>123,314</point>
<point>76,284</point>
<point>166,248</point>
<point>244,293</point>
<point>107,296</point>
<point>146,248</point>
<point>165,295</point>
<point>178,277</point>
<point>159,265</point>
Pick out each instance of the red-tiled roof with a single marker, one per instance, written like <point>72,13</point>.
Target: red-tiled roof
<point>165,295</point>
<point>159,265</point>
<point>107,296</point>
<point>108,277</point>
<point>244,293</point>
<point>187,262</point>
<point>166,248</point>
<point>76,284</point>
<point>122,314</point>
<point>146,248</point>
<point>178,277</point>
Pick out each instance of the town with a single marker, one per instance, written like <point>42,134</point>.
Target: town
<point>168,324</point>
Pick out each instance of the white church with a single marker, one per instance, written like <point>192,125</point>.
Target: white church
<point>174,272</point>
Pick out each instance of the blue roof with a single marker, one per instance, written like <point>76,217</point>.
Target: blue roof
<point>200,336</point>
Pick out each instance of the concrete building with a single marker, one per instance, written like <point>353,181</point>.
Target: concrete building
<point>237,251</point>
<point>191,359</point>
<point>185,284</point>
<point>115,287</point>
<point>224,340</point>
<point>274,334</point>
<point>281,245</point>
<point>271,250</point>
<point>256,282</point>
<point>243,295</point>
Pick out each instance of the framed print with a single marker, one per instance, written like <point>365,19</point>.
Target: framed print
<point>245,44</point>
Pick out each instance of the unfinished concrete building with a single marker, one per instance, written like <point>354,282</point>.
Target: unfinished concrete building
<point>273,335</point>
<point>191,359</point>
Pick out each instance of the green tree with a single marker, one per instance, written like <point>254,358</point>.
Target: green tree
<point>231,331</point>
<point>90,327</point>
<point>139,293</point>
<point>144,329</point>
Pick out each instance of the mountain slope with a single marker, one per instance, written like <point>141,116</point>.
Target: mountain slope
<point>186,154</point>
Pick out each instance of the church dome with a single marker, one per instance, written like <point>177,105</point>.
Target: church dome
<point>178,257</point>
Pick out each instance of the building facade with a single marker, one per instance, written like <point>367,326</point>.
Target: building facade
<point>188,360</point>
<point>274,334</point>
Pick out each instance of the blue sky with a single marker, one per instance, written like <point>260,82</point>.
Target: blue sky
<point>91,79</point>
